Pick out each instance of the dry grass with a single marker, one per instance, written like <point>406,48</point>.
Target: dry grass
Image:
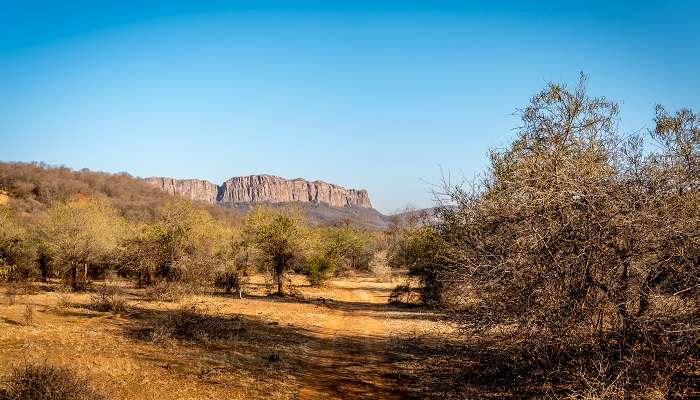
<point>28,314</point>
<point>46,382</point>
<point>339,341</point>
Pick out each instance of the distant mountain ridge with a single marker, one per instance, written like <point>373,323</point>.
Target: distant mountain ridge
<point>36,186</point>
<point>263,189</point>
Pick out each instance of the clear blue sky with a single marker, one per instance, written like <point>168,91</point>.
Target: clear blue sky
<point>368,94</point>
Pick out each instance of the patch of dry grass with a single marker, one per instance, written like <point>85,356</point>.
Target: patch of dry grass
<point>330,342</point>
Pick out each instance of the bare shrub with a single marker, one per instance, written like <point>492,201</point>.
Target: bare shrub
<point>193,323</point>
<point>579,249</point>
<point>405,294</point>
<point>28,314</point>
<point>108,298</point>
<point>11,294</point>
<point>170,291</point>
<point>380,268</point>
<point>64,297</point>
<point>46,382</point>
<point>230,280</point>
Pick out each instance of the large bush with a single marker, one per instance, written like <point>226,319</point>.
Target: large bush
<point>582,247</point>
<point>419,248</point>
<point>185,244</point>
<point>349,248</point>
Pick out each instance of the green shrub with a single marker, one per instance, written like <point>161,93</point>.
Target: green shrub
<point>318,269</point>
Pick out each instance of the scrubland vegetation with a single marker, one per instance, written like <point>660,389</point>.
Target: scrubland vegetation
<point>570,270</point>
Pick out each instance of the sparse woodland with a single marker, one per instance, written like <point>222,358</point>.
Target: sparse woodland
<point>571,269</point>
<point>78,225</point>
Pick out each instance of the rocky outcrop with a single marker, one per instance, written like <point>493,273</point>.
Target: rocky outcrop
<point>273,189</point>
<point>264,189</point>
<point>193,189</point>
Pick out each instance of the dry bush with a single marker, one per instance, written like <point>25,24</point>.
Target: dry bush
<point>28,314</point>
<point>108,298</point>
<point>63,294</point>
<point>581,251</point>
<point>192,323</point>
<point>184,245</point>
<point>16,248</point>
<point>405,295</point>
<point>380,268</point>
<point>230,280</point>
<point>46,382</point>
<point>350,248</point>
<point>278,242</point>
<point>79,236</point>
<point>418,247</point>
<point>11,294</point>
<point>171,291</point>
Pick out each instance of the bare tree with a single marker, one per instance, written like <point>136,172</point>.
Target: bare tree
<point>577,238</point>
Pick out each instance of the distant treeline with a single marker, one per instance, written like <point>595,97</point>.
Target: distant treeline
<point>78,225</point>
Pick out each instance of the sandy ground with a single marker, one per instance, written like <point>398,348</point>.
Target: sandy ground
<point>342,341</point>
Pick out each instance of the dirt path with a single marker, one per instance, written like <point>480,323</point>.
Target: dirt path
<point>352,368</point>
<point>337,342</point>
<point>351,353</point>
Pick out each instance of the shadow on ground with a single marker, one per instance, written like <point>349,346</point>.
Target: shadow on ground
<point>392,311</point>
<point>321,367</point>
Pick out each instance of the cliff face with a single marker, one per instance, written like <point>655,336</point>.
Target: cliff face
<point>193,189</point>
<point>265,189</point>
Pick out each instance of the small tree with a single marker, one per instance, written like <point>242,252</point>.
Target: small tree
<point>279,240</point>
<point>79,234</point>
<point>15,249</point>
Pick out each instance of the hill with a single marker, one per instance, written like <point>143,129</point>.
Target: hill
<point>31,187</point>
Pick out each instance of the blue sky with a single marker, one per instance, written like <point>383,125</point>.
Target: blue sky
<point>385,96</point>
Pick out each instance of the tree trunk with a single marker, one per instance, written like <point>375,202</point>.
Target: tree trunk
<point>74,276</point>
<point>44,267</point>
<point>279,275</point>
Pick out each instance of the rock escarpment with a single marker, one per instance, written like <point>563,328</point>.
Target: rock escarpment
<point>193,189</point>
<point>263,189</point>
